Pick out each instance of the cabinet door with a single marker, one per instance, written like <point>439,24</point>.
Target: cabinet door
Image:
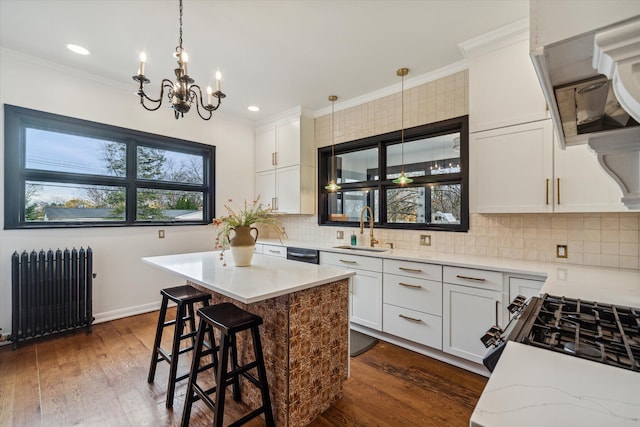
<point>366,299</point>
<point>467,314</point>
<point>288,189</point>
<point>288,153</point>
<point>265,144</point>
<point>266,187</point>
<point>512,169</point>
<point>503,87</point>
<point>526,287</point>
<point>581,185</point>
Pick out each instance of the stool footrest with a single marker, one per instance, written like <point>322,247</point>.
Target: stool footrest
<point>251,415</point>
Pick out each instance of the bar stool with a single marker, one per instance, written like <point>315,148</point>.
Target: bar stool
<point>229,320</point>
<point>185,297</point>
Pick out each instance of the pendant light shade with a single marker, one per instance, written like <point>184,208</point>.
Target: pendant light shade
<point>402,179</point>
<point>332,187</point>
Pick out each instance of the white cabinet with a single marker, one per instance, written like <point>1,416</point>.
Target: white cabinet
<point>522,169</point>
<point>503,86</point>
<point>469,311</point>
<point>526,287</point>
<point>285,164</point>
<point>412,305</point>
<point>366,287</point>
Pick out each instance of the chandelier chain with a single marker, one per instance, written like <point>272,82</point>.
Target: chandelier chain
<point>180,37</point>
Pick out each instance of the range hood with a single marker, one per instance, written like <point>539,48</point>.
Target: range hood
<point>587,57</point>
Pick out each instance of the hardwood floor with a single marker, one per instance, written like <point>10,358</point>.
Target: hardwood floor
<point>100,379</point>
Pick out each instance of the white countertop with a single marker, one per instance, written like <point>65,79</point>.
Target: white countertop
<point>537,387</point>
<point>266,277</point>
<point>601,284</point>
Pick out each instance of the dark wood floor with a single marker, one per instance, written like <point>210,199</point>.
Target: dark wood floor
<point>100,379</point>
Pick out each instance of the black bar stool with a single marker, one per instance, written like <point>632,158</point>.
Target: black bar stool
<point>229,320</point>
<point>185,297</point>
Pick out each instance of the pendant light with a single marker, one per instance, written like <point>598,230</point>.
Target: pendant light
<point>332,187</point>
<point>402,179</point>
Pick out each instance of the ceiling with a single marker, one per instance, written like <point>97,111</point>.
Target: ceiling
<point>276,54</point>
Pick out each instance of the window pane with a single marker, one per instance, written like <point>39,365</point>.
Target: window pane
<point>52,201</point>
<point>430,156</point>
<point>436,204</point>
<point>173,166</point>
<point>60,152</point>
<point>357,166</point>
<point>347,205</point>
<point>168,205</point>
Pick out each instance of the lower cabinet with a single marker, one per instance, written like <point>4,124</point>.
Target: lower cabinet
<point>365,295</point>
<point>468,312</point>
<point>413,325</point>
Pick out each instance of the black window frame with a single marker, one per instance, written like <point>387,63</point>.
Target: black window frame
<point>458,124</point>
<point>18,119</point>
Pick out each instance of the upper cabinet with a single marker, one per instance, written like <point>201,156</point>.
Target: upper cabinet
<point>516,164</point>
<point>503,86</point>
<point>285,163</point>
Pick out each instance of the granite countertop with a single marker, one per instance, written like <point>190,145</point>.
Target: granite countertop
<point>266,277</point>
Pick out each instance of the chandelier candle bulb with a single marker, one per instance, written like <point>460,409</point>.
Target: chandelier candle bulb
<point>143,59</point>
<point>209,95</point>
<point>218,78</point>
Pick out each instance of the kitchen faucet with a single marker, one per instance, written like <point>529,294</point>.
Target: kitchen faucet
<point>373,239</point>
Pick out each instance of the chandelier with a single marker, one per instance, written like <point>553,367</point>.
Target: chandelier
<point>183,92</point>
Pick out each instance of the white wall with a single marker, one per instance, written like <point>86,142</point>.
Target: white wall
<point>124,285</point>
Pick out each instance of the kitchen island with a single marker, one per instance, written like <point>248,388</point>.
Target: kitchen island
<point>305,309</point>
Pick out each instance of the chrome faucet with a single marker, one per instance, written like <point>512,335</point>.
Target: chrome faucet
<point>373,240</point>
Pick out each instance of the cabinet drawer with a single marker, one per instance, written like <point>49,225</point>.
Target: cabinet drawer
<point>413,269</point>
<point>473,277</point>
<point>257,249</point>
<point>416,294</point>
<point>351,261</point>
<point>274,250</point>
<point>412,325</point>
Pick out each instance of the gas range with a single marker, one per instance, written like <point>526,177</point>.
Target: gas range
<point>603,333</point>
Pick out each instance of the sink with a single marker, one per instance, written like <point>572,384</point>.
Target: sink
<point>361,248</point>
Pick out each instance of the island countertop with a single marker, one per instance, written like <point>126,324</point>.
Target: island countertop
<point>266,277</point>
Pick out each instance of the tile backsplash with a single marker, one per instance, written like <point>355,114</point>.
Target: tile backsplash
<point>597,239</point>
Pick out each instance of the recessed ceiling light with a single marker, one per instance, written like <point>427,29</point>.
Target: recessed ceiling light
<point>77,49</point>
<point>253,108</point>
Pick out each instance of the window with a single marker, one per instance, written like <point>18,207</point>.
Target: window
<point>62,172</point>
<point>435,157</point>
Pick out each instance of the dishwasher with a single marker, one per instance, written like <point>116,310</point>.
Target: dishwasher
<point>312,256</point>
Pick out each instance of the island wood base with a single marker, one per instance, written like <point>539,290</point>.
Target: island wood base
<point>305,339</point>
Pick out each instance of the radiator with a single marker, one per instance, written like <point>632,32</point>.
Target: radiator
<point>51,293</point>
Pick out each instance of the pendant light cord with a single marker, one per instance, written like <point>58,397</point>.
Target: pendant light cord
<point>333,143</point>
<point>402,124</point>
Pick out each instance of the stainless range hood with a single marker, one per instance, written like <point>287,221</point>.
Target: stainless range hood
<point>587,57</point>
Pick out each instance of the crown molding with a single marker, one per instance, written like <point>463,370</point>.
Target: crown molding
<point>495,39</point>
<point>395,88</point>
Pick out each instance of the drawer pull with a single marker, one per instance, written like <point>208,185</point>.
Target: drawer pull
<point>413,319</point>
<point>274,251</point>
<point>348,261</point>
<point>481,279</point>
<point>411,270</point>
<point>409,285</point>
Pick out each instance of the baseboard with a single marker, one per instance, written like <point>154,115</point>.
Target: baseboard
<point>125,312</point>
<point>424,350</point>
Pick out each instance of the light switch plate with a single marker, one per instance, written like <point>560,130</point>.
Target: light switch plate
<point>339,234</point>
<point>425,240</point>
<point>160,234</point>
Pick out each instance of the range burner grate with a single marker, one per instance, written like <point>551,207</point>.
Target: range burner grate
<point>603,333</point>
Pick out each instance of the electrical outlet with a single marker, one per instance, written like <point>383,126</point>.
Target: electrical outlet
<point>425,240</point>
<point>561,251</point>
<point>160,234</point>
<point>339,234</point>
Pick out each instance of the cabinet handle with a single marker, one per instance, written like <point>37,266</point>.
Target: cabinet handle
<point>547,188</point>
<point>348,261</point>
<point>558,185</point>
<point>497,310</point>
<point>273,159</point>
<point>275,155</point>
<point>411,270</point>
<point>276,199</point>
<point>273,203</point>
<point>273,251</point>
<point>413,319</point>
<point>409,285</point>
<point>481,279</point>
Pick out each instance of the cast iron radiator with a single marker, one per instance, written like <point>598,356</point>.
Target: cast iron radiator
<point>51,293</point>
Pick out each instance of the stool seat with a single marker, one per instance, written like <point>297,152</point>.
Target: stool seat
<point>185,298</point>
<point>228,319</point>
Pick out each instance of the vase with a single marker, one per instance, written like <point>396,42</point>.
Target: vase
<point>243,245</point>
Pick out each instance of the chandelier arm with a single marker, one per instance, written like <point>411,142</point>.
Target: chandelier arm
<point>165,83</point>
<point>195,95</point>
